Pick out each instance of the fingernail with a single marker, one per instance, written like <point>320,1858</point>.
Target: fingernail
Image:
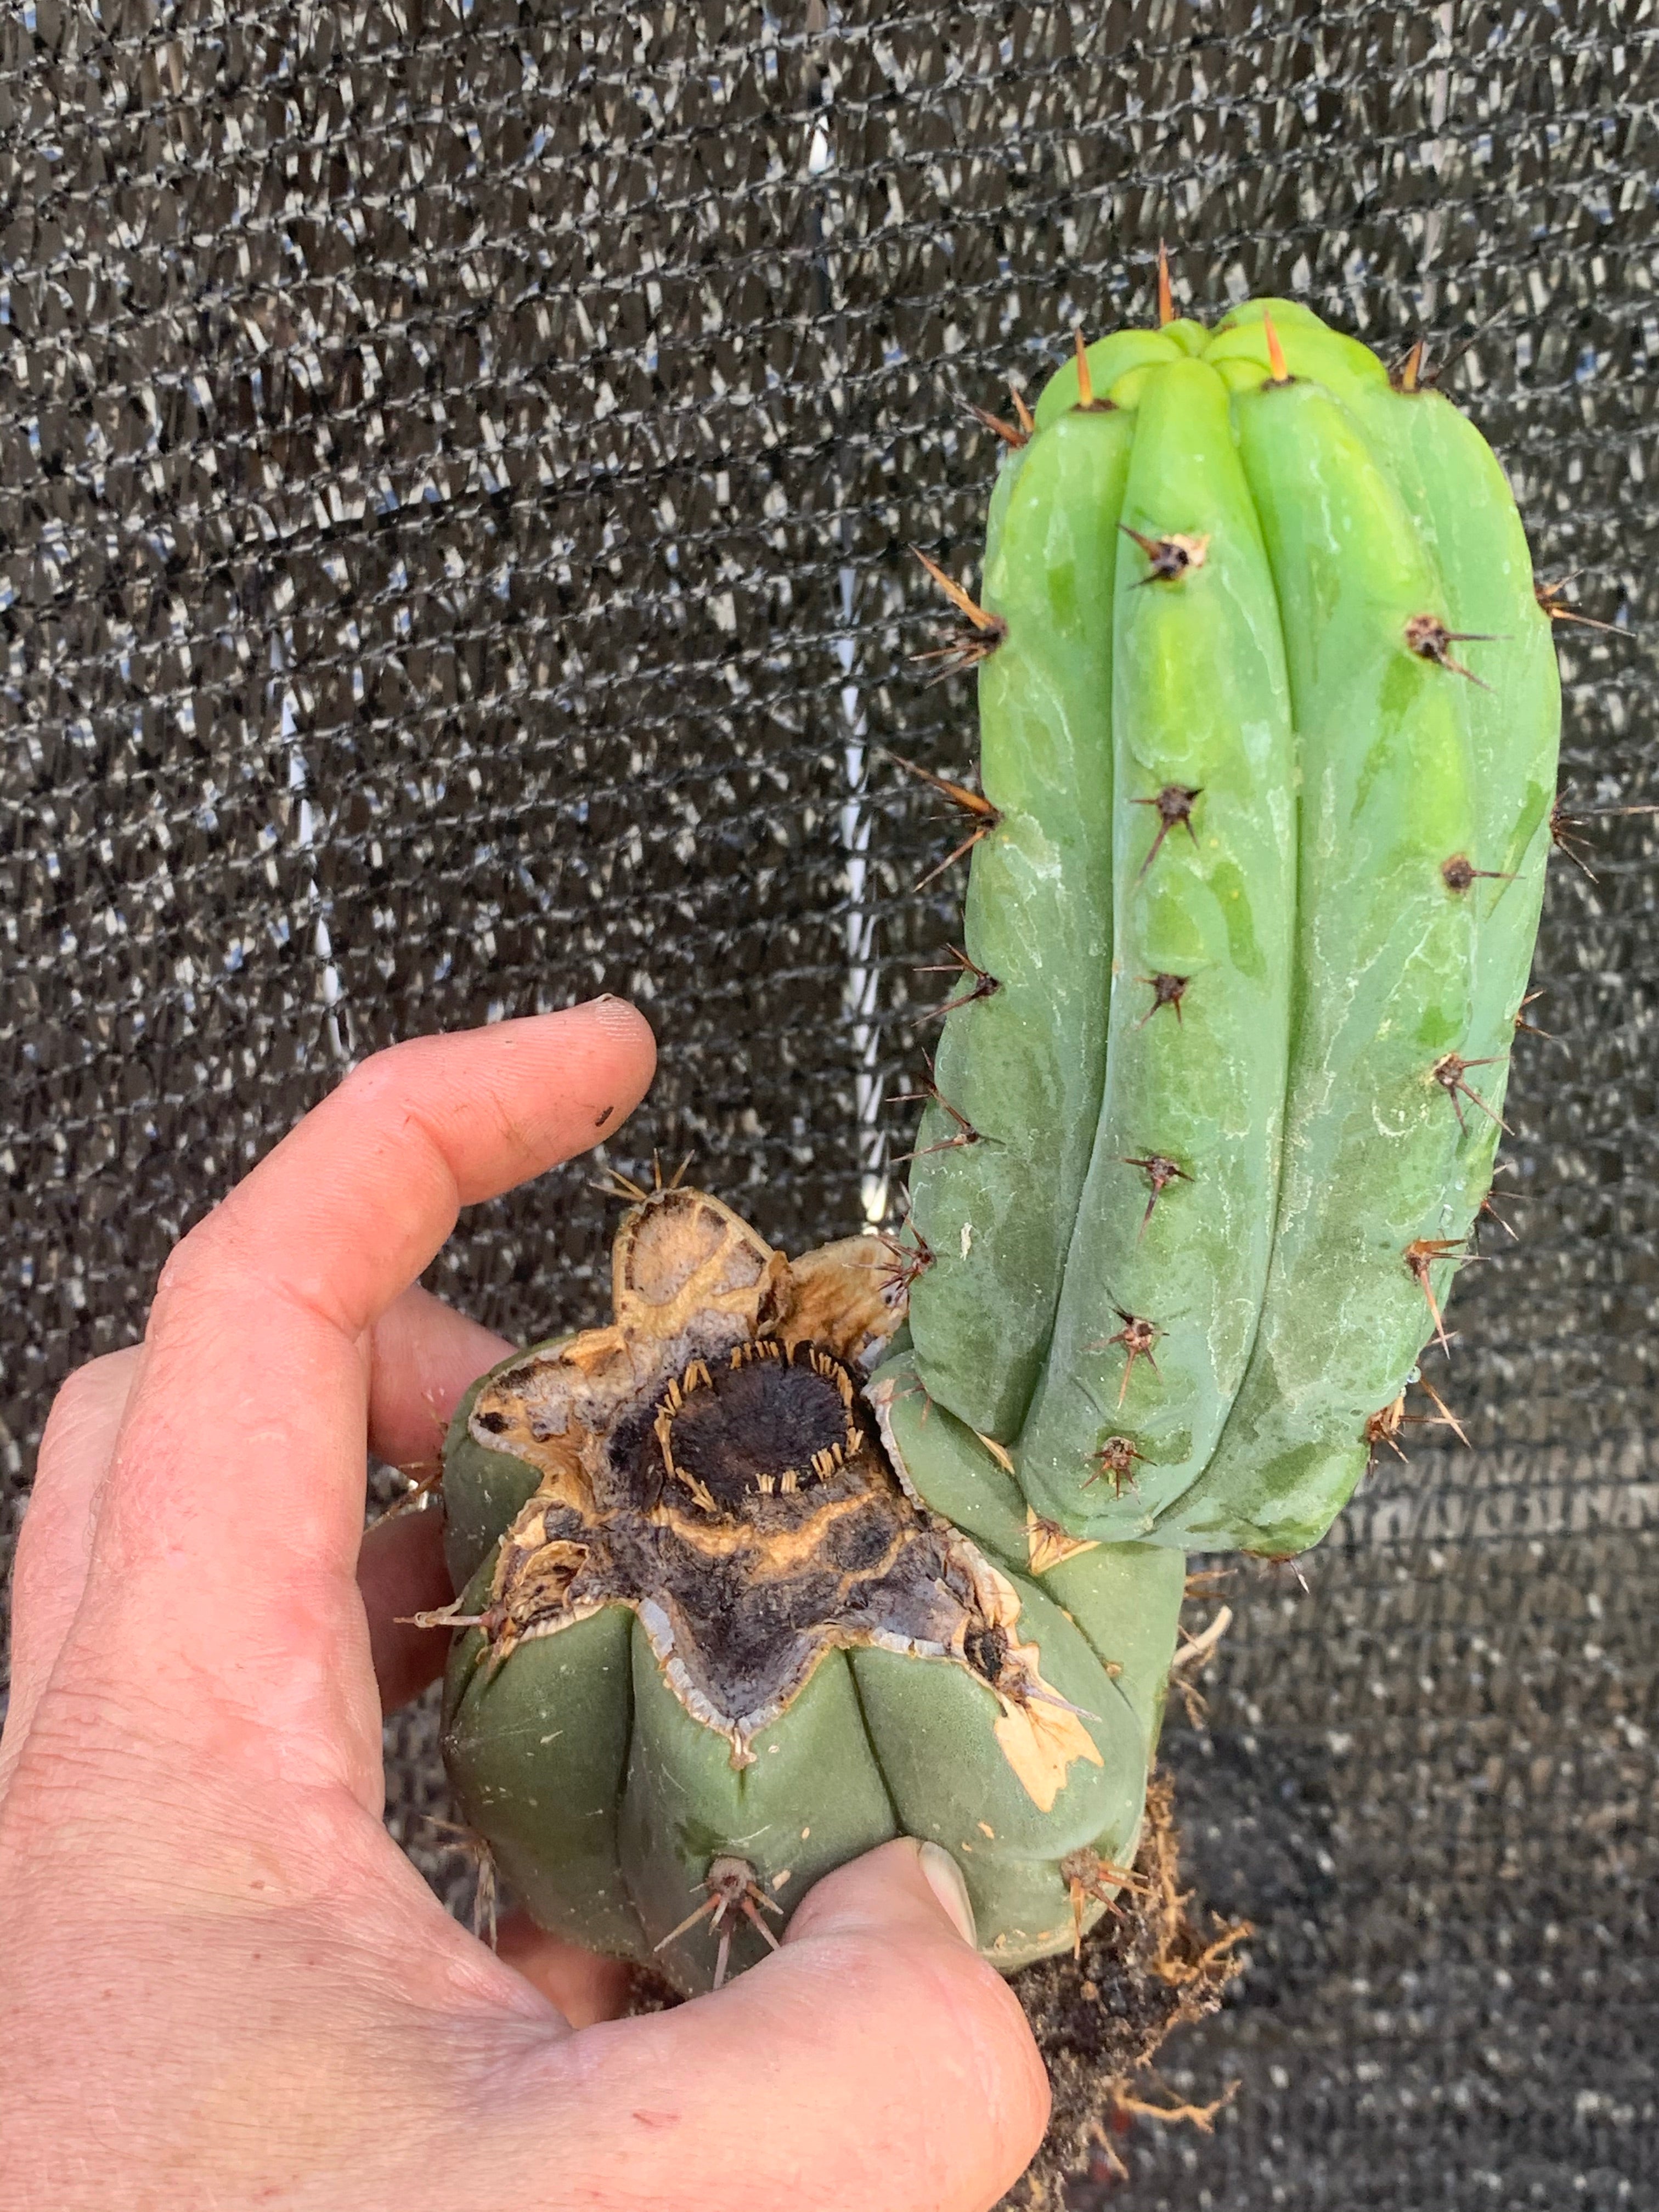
<point>944,1877</point>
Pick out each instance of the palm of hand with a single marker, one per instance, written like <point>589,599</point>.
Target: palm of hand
<point>222,1983</point>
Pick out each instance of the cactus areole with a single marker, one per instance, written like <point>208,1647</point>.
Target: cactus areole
<point>770,1569</point>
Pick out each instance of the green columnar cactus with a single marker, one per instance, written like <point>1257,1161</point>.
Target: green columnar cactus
<point>758,1574</point>
<point>1327,858</point>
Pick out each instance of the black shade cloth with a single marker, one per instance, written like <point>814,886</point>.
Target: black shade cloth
<point>457,467</point>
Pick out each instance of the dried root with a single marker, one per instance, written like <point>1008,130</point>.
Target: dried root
<point>469,1845</point>
<point>424,1478</point>
<point>1193,1654</point>
<point>1146,1969</point>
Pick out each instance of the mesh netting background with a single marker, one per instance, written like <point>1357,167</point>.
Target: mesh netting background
<point>457,466</point>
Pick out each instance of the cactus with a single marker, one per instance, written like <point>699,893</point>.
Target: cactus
<point>711,1643</point>
<point>766,1571</point>
<point>1328,834</point>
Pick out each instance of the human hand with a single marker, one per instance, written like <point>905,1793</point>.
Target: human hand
<point>221,1985</point>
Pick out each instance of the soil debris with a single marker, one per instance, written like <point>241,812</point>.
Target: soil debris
<point>1101,2020</point>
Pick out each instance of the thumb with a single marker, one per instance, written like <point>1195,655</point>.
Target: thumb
<point>49,1572</point>
<point>882,2065</point>
<point>909,1883</point>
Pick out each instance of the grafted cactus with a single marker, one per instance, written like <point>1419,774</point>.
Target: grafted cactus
<point>757,1576</point>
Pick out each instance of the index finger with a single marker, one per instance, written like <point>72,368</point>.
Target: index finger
<point>227,1545</point>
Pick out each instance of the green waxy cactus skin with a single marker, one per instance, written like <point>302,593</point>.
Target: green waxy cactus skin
<point>484,1490</point>
<point>1458,496</point>
<point>1176,1221</point>
<point>1385,965</point>
<point>1104,1617</point>
<point>1316,967</point>
<point>1038,924</point>
<point>551,1811</point>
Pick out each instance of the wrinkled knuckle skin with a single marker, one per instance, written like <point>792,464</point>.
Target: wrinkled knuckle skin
<point>196,1256</point>
<point>393,1068</point>
<point>81,1397</point>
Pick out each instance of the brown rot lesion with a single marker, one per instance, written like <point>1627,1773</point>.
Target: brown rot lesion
<point>717,1461</point>
<point>766,1422</point>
